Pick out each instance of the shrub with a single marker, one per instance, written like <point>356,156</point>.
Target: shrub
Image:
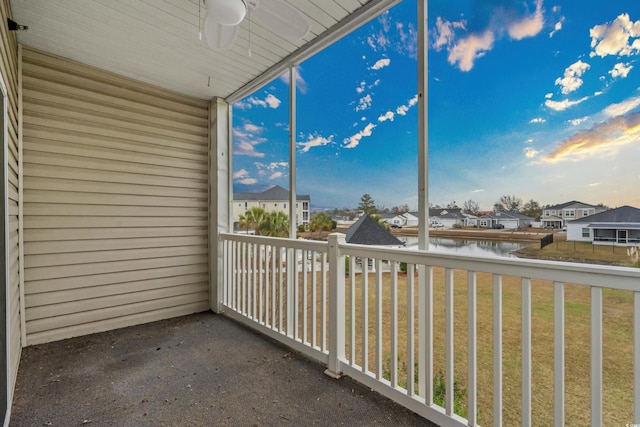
<point>301,228</point>
<point>403,267</point>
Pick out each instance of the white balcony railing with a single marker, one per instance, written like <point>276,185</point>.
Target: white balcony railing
<point>526,339</point>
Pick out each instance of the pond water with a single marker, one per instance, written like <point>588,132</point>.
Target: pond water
<point>467,247</point>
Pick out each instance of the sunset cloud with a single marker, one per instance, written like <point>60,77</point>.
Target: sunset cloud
<point>529,26</point>
<point>623,107</point>
<point>467,50</point>
<point>612,133</point>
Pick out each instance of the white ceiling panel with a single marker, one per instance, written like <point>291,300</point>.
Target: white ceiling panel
<point>158,41</point>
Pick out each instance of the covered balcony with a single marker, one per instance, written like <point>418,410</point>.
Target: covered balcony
<point>116,122</point>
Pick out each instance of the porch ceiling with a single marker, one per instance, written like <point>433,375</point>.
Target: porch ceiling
<point>158,43</point>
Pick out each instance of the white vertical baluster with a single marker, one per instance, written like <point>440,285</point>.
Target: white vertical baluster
<point>352,311</point>
<point>526,351</point>
<point>449,347</point>
<point>274,284</point>
<point>596,356</point>
<point>254,298</point>
<point>314,302</point>
<point>558,354</point>
<point>323,328</point>
<point>472,388</point>
<point>365,314</point>
<point>378,319</point>
<point>281,287</point>
<point>411,335</point>
<point>305,286</point>
<point>261,283</point>
<point>497,350</point>
<point>394,330</point>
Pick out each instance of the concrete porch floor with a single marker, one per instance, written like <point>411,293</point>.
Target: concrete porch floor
<point>197,370</point>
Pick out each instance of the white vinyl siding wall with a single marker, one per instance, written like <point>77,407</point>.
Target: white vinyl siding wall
<point>115,200</point>
<point>9,70</point>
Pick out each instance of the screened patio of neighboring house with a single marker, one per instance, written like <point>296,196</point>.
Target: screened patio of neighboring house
<point>117,164</point>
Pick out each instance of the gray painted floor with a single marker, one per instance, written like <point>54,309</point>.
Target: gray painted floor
<point>196,370</point>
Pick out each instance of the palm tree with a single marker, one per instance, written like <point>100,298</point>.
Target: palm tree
<point>274,224</point>
<point>252,219</point>
<point>320,221</point>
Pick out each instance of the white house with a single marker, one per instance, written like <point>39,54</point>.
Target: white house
<point>504,219</point>
<point>620,226</point>
<point>272,200</point>
<point>558,216</point>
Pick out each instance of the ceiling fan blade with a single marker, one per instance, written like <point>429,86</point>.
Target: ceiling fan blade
<point>280,17</point>
<point>219,36</point>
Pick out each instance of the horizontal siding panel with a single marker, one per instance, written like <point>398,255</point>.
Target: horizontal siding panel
<point>95,187</point>
<point>89,165</point>
<point>103,107</point>
<point>108,222</point>
<point>60,235</point>
<point>53,285</point>
<point>73,111</point>
<point>105,131</point>
<point>61,247</point>
<point>50,171</point>
<point>36,209</point>
<point>115,200</point>
<point>89,198</point>
<point>81,258</point>
<point>41,133</point>
<point>179,120</point>
<point>65,321</point>
<point>88,269</point>
<point>113,301</point>
<point>73,295</point>
<point>118,322</point>
<point>101,153</point>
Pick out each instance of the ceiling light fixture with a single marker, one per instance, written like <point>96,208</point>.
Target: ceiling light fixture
<point>227,12</point>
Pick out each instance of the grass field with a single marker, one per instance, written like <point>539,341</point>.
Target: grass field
<point>617,364</point>
<point>581,252</point>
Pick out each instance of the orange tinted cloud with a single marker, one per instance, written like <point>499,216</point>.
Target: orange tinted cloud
<point>614,132</point>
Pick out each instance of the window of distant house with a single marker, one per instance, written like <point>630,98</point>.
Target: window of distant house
<point>547,213</point>
<point>264,206</point>
<point>585,232</point>
<point>553,212</point>
<point>570,213</point>
<point>275,205</point>
<point>585,212</point>
<point>284,206</point>
<point>246,204</point>
<point>305,205</point>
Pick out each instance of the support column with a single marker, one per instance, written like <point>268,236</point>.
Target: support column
<point>292,266</point>
<point>336,305</point>
<point>220,195</point>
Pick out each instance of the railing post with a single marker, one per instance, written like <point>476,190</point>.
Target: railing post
<point>336,305</point>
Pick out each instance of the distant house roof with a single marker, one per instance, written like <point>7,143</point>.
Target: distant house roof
<point>445,212</point>
<point>366,231</point>
<point>571,204</point>
<point>623,214</point>
<point>274,193</point>
<point>508,215</point>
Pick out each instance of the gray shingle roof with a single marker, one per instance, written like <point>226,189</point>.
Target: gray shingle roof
<point>571,203</point>
<point>627,214</point>
<point>274,193</point>
<point>366,231</point>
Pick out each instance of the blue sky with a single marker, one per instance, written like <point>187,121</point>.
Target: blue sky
<point>540,99</point>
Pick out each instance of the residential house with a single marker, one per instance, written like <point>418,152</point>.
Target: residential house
<point>273,199</point>
<point>446,218</point>
<point>506,219</point>
<point>619,226</point>
<point>367,231</point>
<point>557,216</point>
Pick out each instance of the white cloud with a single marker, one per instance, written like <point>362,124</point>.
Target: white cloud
<point>528,26</point>
<point>571,80</point>
<point>563,105</point>
<point>246,138</point>
<point>314,140</point>
<point>364,103</point>
<point>389,115</point>
<point>549,95</point>
<point>598,93</point>
<point>620,70</point>
<point>248,181</point>
<point>622,108</point>
<point>301,84</point>
<point>381,63</point>
<point>530,153</point>
<point>537,120</point>
<point>354,140</point>
<point>242,173</point>
<point>444,33</point>
<point>470,48</point>
<point>576,122</point>
<point>269,101</point>
<point>594,184</point>
<point>360,87</point>
<point>276,175</point>
<point>479,190</point>
<point>620,38</point>
<point>557,27</point>
<point>529,141</point>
